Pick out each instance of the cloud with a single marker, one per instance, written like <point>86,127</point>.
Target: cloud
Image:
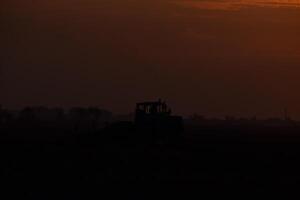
<point>238,4</point>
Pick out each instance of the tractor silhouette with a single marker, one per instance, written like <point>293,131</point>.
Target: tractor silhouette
<point>155,118</point>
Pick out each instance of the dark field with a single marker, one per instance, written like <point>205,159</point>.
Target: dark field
<point>82,165</point>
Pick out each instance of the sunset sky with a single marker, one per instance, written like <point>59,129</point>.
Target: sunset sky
<point>213,57</point>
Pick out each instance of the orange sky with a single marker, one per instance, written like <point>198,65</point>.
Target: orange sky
<point>213,57</point>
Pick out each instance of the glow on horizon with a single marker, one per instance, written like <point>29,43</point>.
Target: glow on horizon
<point>238,4</point>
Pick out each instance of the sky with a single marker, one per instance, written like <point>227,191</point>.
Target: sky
<point>212,57</point>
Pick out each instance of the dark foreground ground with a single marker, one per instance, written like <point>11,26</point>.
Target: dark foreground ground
<point>125,163</point>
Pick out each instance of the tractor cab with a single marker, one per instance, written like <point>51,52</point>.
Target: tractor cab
<point>156,117</point>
